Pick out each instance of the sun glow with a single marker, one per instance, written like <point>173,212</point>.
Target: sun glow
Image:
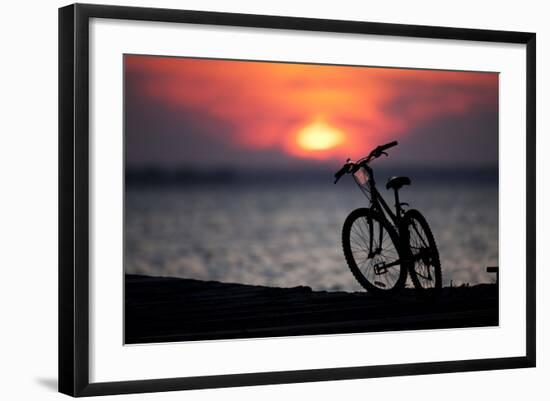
<point>319,136</point>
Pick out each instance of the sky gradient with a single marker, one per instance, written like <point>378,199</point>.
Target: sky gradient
<point>213,113</point>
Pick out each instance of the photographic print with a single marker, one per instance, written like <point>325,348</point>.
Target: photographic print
<point>268,199</point>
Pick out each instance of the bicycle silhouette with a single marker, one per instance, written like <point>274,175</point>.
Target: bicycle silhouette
<point>381,246</point>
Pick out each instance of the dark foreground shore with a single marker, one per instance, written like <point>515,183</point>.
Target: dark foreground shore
<point>161,309</point>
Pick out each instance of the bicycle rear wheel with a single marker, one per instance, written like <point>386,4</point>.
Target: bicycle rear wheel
<point>425,266</point>
<point>372,253</point>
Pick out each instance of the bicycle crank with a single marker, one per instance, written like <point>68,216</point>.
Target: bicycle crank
<point>382,267</point>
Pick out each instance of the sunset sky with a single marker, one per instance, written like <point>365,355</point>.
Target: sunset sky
<point>208,113</point>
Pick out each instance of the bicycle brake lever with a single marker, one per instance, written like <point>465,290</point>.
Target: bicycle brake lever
<point>384,153</point>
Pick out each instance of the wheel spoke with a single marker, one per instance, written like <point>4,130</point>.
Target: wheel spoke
<point>383,252</point>
<point>425,261</point>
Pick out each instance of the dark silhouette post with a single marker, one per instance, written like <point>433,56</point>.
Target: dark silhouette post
<point>493,269</point>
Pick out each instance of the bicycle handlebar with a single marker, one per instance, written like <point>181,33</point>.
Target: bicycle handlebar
<point>387,146</point>
<point>375,153</point>
<point>378,151</point>
<point>341,172</point>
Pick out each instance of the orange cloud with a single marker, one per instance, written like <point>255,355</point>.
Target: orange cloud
<point>269,104</point>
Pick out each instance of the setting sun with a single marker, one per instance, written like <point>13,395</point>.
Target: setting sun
<point>289,112</point>
<point>319,136</point>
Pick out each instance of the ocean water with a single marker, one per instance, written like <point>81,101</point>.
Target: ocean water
<point>290,234</point>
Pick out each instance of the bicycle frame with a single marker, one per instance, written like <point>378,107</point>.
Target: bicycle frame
<point>379,205</point>
<point>378,202</point>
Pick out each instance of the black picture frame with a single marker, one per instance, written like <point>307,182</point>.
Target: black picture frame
<point>74,198</point>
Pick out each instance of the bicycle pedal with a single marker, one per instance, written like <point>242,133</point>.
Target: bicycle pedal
<point>380,284</point>
<point>380,268</point>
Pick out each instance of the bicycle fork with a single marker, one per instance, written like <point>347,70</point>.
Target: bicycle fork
<point>379,268</point>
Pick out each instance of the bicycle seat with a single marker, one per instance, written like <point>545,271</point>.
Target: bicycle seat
<point>397,182</point>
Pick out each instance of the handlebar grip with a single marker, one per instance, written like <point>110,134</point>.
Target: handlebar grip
<point>381,148</point>
<point>340,173</point>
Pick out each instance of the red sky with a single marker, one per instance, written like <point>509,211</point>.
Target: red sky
<point>283,109</point>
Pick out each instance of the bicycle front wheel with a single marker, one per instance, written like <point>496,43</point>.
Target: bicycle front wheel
<point>425,267</point>
<point>372,253</point>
